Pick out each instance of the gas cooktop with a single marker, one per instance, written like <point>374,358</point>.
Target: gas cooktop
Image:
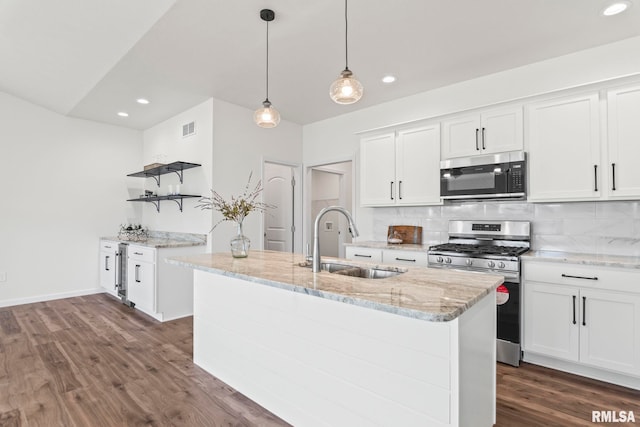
<point>478,249</point>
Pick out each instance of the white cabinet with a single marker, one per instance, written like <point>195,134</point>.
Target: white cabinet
<point>401,167</point>
<point>109,264</point>
<point>563,141</point>
<point>359,253</point>
<point>586,315</point>
<point>387,256</point>
<point>408,258</point>
<point>141,278</point>
<point>161,290</point>
<point>487,132</point>
<point>624,143</point>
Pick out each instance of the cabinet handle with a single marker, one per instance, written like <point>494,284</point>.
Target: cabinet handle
<point>405,259</point>
<point>118,272</point>
<point>595,177</point>
<point>579,277</point>
<point>483,147</point>
<point>574,309</point>
<point>137,273</point>
<point>107,246</point>
<point>477,147</point>
<point>400,190</point>
<point>138,253</point>
<point>613,175</point>
<point>362,256</point>
<point>106,262</point>
<point>584,311</point>
<point>391,190</point>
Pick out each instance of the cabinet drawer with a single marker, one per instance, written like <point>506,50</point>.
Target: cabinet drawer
<point>142,253</point>
<point>108,245</point>
<point>586,276</point>
<point>415,258</point>
<point>363,254</point>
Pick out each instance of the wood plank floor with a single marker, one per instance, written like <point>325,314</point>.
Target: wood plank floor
<point>91,361</point>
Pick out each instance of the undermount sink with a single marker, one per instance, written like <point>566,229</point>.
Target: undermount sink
<point>357,271</point>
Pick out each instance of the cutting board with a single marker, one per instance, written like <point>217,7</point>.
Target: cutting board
<point>408,233</point>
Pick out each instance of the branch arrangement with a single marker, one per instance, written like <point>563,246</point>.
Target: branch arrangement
<point>238,207</point>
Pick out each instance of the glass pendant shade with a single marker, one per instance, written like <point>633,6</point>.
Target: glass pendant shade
<point>267,116</point>
<point>346,89</point>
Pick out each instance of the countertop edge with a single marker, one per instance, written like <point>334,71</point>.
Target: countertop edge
<point>406,312</point>
<point>619,261</point>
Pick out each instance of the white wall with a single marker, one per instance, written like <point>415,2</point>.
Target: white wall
<point>164,143</point>
<point>63,186</point>
<point>324,141</point>
<point>239,148</point>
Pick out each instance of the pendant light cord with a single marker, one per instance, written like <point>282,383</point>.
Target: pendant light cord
<point>267,84</point>
<point>346,37</point>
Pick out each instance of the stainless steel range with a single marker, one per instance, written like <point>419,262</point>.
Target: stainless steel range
<point>491,247</point>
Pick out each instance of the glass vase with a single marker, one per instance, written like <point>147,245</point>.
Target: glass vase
<point>240,244</point>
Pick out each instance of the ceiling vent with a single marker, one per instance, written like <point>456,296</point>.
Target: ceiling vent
<point>188,129</point>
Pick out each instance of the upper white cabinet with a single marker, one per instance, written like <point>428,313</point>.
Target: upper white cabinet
<point>563,141</point>
<point>487,132</point>
<point>401,167</point>
<point>624,143</point>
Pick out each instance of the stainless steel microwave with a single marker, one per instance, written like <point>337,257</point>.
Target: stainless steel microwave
<point>501,175</point>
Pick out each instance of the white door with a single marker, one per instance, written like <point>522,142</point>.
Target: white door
<point>279,187</point>
<point>501,130</point>
<point>624,143</point>
<point>418,166</point>
<point>610,330</point>
<point>378,186</point>
<point>551,320</point>
<point>564,149</point>
<point>461,137</point>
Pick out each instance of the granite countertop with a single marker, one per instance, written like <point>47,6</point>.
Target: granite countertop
<point>160,239</point>
<point>586,259</point>
<point>385,245</point>
<point>423,293</point>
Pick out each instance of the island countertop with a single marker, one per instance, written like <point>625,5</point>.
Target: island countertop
<point>422,293</point>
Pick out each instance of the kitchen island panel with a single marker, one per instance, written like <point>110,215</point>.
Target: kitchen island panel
<point>314,361</point>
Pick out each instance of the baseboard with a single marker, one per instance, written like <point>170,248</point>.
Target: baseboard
<point>582,370</point>
<point>50,297</point>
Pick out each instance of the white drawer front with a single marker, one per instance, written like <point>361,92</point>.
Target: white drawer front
<point>415,258</point>
<point>363,254</point>
<point>142,253</point>
<point>108,246</point>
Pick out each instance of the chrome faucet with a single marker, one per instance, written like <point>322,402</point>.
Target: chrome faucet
<point>316,230</point>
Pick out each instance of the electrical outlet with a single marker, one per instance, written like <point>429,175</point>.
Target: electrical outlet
<point>3,276</point>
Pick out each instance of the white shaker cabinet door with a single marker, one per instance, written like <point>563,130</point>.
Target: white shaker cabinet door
<point>624,143</point>
<point>551,320</point>
<point>563,137</point>
<point>610,330</point>
<point>461,136</point>
<point>378,170</point>
<point>418,166</point>
<point>141,285</point>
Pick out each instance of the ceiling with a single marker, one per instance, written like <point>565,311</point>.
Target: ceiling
<point>93,58</point>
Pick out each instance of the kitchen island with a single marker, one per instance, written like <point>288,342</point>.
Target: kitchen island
<point>327,349</point>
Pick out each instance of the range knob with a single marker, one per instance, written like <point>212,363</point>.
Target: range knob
<point>491,264</point>
<point>501,265</point>
<point>447,260</point>
<point>469,262</point>
<point>439,259</point>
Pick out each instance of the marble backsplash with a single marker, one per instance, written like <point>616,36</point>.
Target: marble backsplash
<point>611,228</point>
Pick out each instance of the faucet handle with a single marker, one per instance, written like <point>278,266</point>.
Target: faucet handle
<point>308,256</point>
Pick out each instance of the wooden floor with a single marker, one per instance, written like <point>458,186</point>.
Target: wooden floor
<point>91,361</point>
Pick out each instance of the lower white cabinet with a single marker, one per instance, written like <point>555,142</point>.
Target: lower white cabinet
<point>109,275</point>
<point>359,253</point>
<point>161,290</point>
<point>387,256</point>
<point>586,315</point>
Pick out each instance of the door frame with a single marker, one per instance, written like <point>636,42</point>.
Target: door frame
<point>307,199</point>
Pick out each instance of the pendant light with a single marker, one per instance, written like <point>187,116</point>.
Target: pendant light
<point>346,89</point>
<point>267,116</point>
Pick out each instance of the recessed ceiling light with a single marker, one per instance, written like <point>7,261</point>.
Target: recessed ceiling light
<point>123,114</point>
<point>142,101</point>
<point>389,79</point>
<point>616,8</point>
